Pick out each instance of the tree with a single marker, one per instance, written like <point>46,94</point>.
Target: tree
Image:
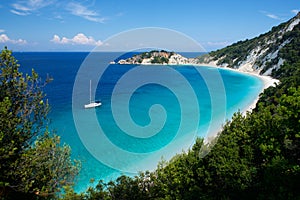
<point>32,161</point>
<point>276,143</point>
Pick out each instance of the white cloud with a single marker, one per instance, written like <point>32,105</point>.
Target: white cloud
<point>19,13</point>
<point>2,30</point>
<point>56,39</point>
<point>270,15</point>
<point>27,7</point>
<point>82,11</point>
<point>24,7</point>
<point>295,11</point>
<point>80,39</point>
<point>5,39</point>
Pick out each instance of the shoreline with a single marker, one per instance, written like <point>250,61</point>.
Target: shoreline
<point>267,81</point>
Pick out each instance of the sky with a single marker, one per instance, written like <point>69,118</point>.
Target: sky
<point>82,25</point>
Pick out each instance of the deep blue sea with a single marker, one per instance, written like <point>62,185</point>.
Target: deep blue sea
<point>147,113</point>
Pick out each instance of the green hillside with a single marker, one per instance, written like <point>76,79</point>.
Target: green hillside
<point>265,52</point>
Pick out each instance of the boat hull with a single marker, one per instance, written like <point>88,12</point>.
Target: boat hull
<point>92,105</point>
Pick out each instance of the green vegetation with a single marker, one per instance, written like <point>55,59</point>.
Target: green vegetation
<point>159,60</point>
<point>33,164</point>
<point>234,53</point>
<point>158,57</point>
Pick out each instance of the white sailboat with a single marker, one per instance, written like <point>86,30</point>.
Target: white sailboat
<point>92,104</point>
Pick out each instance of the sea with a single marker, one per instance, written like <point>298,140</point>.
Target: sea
<point>148,113</point>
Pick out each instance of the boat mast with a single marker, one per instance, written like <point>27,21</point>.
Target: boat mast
<point>90,91</point>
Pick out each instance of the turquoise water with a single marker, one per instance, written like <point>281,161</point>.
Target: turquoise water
<point>147,112</point>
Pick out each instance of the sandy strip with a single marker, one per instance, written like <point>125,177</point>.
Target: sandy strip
<point>266,80</point>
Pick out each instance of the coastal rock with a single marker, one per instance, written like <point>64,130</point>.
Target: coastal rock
<point>177,59</point>
<point>158,57</point>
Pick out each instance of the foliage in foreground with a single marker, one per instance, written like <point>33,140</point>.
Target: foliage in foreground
<point>33,164</point>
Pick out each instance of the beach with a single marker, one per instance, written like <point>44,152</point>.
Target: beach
<point>246,69</point>
<point>267,82</point>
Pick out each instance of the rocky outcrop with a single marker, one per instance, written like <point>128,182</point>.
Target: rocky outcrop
<point>158,57</point>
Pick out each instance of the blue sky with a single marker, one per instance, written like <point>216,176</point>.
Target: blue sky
<point>80,25</point>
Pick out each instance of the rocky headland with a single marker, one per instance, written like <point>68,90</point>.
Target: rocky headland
<point>158,57</point>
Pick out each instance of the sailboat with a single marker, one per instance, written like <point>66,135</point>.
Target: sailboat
<point>92,104</point>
